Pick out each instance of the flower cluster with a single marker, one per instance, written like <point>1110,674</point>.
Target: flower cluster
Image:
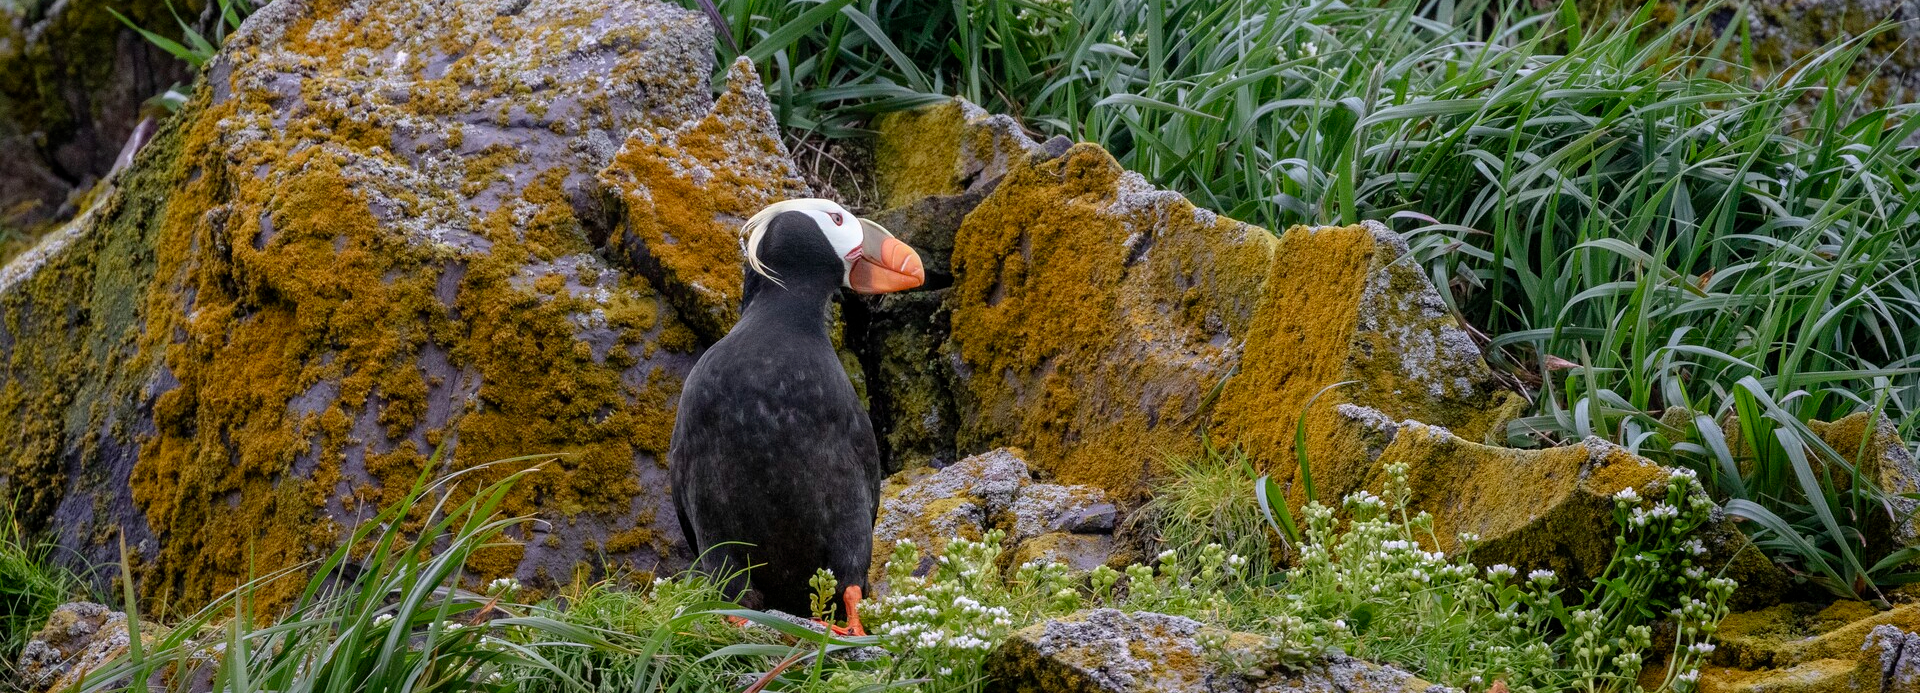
<point>945,620</point>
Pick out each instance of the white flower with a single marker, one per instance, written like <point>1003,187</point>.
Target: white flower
<point>1309,49</point>
<point>1701,648</point>
<point>1683,475</point>
<point>505,585</point>
<point>1542,575</point>
<point>1694,547</point>
<point>382,619</point>
<point>1501,571</point>
<point>1627,495</point>
<point>1691,676</point>
<point>454,625</point>
<point>1165,556</point>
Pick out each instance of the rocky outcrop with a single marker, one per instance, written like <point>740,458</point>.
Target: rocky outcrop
<point>1110,651</point>
<point>1811,648</point>
<point>79,639</point>
<point>1100,323</point>
<point>362,240</point>
<point>993,490</point>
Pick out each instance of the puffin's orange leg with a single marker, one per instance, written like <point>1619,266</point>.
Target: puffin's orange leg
<point>738,622</point>
<point>852,598</point>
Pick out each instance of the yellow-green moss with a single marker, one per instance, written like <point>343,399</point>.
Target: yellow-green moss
<point>917,153</point>
<point>1093,362</point>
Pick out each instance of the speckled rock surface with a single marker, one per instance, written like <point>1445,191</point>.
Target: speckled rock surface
<point>79,638</point>
<point>1110,651</point>
<point>992,490</point>
<point>380,227</point>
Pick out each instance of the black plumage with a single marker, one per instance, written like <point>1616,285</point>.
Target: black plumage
<point>773,461</point>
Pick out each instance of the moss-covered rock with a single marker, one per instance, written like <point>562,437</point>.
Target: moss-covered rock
<point>1815,648</point>
<point>1110,651</point>
<point>1874,448</point>
<point>1101,324</point>
<point>933,167</point>
<point>1548,508</point>
<point>381,227</point>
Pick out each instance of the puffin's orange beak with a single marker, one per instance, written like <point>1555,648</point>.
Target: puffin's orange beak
<point>885,265</point>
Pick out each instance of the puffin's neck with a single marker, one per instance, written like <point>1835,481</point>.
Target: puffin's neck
<point>799,308</point>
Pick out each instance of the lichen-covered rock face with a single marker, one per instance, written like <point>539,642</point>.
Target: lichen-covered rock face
<point>934,166</point>
<point>1092,314</point>
<point>381,227</point>
<point>1101,324</point>
<point>992,490</point>
<point>79,638</point>
<point>1110,651</point>
<point>1813,648</point>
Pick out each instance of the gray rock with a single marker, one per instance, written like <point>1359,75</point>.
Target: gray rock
<point>79,638</point>
<point>992,490</point>
<point>1898,660</point>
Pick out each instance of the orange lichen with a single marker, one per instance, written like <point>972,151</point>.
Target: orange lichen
<point>686,191</point>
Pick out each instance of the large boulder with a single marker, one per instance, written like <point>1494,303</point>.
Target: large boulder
<point>382,227</point>
<point>1111,651</point>
<point>1101,324</point>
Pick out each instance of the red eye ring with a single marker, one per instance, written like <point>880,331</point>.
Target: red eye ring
<point>836,218</point>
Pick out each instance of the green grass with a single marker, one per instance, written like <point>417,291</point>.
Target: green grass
<point>31,585</point>
<point>1210,499</point>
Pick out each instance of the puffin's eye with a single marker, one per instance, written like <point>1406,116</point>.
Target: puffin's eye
<point>835,216</point>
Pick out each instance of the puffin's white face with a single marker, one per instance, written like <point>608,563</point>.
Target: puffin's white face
<point>875,261</point>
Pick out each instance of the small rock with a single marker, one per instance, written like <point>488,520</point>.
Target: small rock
<point>988,491</point>
<point>79,638</point>
<point>1080,552</point>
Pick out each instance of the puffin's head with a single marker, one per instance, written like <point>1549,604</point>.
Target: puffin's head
<point>814,235</point>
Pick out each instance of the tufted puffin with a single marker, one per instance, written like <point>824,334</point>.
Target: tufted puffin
<point>773,462</point>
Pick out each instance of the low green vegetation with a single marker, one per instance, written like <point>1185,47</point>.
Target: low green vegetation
<point>393,611</point>
<point>31,585</point>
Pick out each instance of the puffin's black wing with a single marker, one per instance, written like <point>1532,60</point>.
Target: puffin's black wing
<point>772,449</point>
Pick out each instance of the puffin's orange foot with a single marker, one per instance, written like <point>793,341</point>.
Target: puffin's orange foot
<point>738,622</point>
<point>852,599</point>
